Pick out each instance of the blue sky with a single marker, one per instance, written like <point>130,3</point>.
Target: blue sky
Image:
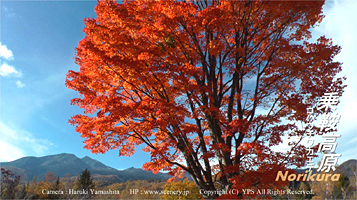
<point>37,49</point>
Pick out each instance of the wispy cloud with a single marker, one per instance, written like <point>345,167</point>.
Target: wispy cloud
<point>8,12</point>
<point>10,152</point>
<point>5,52</point>
<point>15,141</point>
<point>7,70</point>
<point>19,84</point>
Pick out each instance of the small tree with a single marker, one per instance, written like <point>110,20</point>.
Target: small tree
<point>34,179</point>
<point>23,193</point>
<point>324,189</point>
<point>56,186</point>
<point>33,187</point>
<point>9,184</point>
<point>188,188</point>
<point>340,190</point>
<point>48,184</point>
<point>306,187</point>
<point>85,182</point>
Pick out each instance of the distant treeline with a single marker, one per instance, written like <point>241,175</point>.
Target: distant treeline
<point>84,187</point>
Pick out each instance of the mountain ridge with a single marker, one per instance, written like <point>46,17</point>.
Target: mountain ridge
<point>69,164</point>
<point>66,163</point>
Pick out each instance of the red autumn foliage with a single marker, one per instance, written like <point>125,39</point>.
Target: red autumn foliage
<point>208,86</point>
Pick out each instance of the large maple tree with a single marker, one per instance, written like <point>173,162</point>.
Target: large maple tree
<point>209,87</point>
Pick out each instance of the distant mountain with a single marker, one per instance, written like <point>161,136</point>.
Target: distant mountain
<point>97,167</point>
<point>137,173</point>
<point>63,164</point>
<point>348,168</point>
<point>60,164</point>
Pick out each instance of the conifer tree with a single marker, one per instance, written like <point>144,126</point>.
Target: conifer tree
<point>85,182</point>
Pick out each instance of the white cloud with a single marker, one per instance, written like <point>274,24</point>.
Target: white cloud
<point>8,70</point>
<point>19,84</point>
<point>9,152</point>
<point>5,52</point>
<point>8,12</point>
<point>16,143</point>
